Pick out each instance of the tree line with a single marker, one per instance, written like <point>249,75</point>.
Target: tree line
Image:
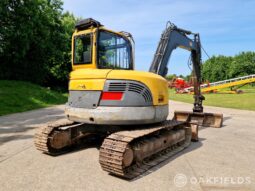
<point>221,67</point>
<point>225,67</point>
<point>35,41</point>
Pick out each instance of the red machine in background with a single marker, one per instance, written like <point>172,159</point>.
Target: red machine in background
<point>179,84</point>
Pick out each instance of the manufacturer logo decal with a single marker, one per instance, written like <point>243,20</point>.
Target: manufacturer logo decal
<point>82,86</point>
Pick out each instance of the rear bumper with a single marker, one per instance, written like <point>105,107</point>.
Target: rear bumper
<point>118,115</point>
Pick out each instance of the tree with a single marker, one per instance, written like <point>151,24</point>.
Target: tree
<point>60,69</point>
<point>171,76</point>
<point>216,68</point>
<point>243,64</point>
<point>187,78</point>
<point>35,41</point>
<point>224,67</point>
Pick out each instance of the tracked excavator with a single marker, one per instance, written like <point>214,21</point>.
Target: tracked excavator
<point>127,108</point>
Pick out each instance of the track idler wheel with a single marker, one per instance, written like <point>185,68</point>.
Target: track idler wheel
<point>49,139</point>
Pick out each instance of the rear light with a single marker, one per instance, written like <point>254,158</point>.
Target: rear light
<point>112,95</point>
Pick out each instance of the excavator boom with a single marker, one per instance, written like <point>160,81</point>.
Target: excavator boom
<point>171,38</point>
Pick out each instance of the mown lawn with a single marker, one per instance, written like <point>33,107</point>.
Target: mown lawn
<point>18,96</point>
<point>245,100</point>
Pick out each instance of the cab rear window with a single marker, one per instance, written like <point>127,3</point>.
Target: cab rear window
<point>83,49</point>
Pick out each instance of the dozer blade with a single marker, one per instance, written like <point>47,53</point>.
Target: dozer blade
<point>202,119</point>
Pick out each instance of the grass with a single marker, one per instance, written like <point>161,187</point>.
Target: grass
<point>244,101</point>
<point>18,96</point>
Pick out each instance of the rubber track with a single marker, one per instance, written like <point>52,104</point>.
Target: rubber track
<point>114,146</point>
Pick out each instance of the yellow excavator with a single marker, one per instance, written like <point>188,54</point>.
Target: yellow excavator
<point>128,108</point>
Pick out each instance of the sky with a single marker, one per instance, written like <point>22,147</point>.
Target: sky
<point>226,27</point>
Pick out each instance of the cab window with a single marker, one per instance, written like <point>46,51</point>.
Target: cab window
<point>83,49</point>
<point>114,51</point>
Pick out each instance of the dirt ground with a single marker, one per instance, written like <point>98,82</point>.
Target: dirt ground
<point>223,159</point>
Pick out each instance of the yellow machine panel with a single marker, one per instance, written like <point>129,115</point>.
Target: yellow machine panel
<point>87,84</point>
<point>94,79</point>
<point>156,83</point>
<point>89,74</point>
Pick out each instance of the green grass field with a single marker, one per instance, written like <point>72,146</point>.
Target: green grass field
<point>245,100</point>
<point>17,96</point>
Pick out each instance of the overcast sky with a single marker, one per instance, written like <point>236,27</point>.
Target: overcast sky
<point>226,27</point>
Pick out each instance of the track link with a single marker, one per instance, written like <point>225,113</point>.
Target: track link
<point>127,153</point>
<point>114,152</point>
<point>45,134</point>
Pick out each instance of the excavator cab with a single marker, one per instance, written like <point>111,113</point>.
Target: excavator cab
<point>97,47</point>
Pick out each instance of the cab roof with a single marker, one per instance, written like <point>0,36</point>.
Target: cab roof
<point>87,23</point>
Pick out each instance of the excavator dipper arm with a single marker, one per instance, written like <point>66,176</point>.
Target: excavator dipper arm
<point>171,38</point>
